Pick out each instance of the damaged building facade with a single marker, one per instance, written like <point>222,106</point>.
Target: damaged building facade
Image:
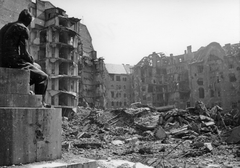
<point>159,80</point>
<point>118,86</point>
<point>63,48</point>
<point>210,74</point>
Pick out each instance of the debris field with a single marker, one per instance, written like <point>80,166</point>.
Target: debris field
<point>157,137</point>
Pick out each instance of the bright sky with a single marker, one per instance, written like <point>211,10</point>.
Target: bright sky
<point>124,31</point>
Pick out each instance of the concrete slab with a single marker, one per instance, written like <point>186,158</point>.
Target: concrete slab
<point>14,81</point>
<point>58,164</point>
<point>20,100</point>
<point>29,135</point>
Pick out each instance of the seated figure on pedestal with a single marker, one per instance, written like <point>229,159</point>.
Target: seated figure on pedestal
<point>14,53</point>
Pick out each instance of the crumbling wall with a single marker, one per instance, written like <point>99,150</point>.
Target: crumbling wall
<point>161,80</point>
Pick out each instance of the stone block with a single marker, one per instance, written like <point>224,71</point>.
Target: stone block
<point>20,100</point>
<point>14,81</point>
<point>29,135</point>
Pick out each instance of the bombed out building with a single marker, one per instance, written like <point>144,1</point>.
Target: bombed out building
<point>210,74</point>
<point>159,80</point>
<point>63,48</point>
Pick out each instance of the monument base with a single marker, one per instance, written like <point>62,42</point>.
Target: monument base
<point>29,135</point>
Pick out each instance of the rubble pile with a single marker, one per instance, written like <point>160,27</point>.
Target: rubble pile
<point>152,136</point>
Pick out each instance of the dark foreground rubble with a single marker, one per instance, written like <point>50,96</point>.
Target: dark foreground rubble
<point>158,137</point>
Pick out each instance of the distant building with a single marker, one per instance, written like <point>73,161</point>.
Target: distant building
<point>210,74</point>
<point>160,80</point>
<point>118,85</point>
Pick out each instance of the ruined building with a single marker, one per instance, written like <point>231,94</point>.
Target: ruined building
<point>211,75</point>
<point>118,85</point>
<point>63,48</point>
<point>160,80</point>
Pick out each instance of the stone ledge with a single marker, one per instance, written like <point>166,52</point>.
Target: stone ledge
<point>56,164</point>
<point>20,100</point>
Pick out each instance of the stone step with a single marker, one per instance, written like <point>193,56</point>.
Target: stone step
<point>20,100</point>
<point>29,135</point>
<point>14,81</point>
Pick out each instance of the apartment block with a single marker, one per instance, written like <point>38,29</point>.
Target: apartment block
<point>118,86</point>
<point>54,41</point>
<point>160,80</point>
<point>63,47</point>
<point>211,75</point>
<point>91,70</point>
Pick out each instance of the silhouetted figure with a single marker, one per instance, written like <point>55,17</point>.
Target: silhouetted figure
<point>14,53</point>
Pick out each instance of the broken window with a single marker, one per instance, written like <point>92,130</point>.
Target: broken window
<point>144,97</point>
<point>200,81</point>
<point>201,93</point>
<point>118,78</point>
<point>218,79</point>
<point>211,93</point>
<point>111,76</point>
<point>53,68</point>
<point>230,66</point>
<point>150,88</point>
<point>52,100</point>
<point>234,105</point>
<point>112,94</point>
<point>200,68</point>
<point>43,37</point>
<point>72,85</point>
<point>53,84</point>
<point>232,77</point>
<point>112,104</point>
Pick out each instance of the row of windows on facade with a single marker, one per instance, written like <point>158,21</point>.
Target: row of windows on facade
<point>118,78</point>
<point>117,95</point>
<point>232,78</point>
<point>214,68</point>
<point>201,93</point>
<point>119,87</point>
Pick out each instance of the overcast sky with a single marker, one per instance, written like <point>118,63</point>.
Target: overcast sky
<point>124,31</point>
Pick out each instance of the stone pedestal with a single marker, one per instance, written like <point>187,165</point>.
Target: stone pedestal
<point>28,133</point>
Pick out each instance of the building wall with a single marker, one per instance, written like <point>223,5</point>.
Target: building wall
<point>210,74</point>
<point>10,10</point>
<point>161,80</point>
<point>53,44</point>
<point>119,91</point>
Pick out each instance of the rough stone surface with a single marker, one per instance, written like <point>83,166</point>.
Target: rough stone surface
<point>29,135</point>
<point>14,81</point>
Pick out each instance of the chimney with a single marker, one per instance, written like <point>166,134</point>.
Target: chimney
<point>189,49</point>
